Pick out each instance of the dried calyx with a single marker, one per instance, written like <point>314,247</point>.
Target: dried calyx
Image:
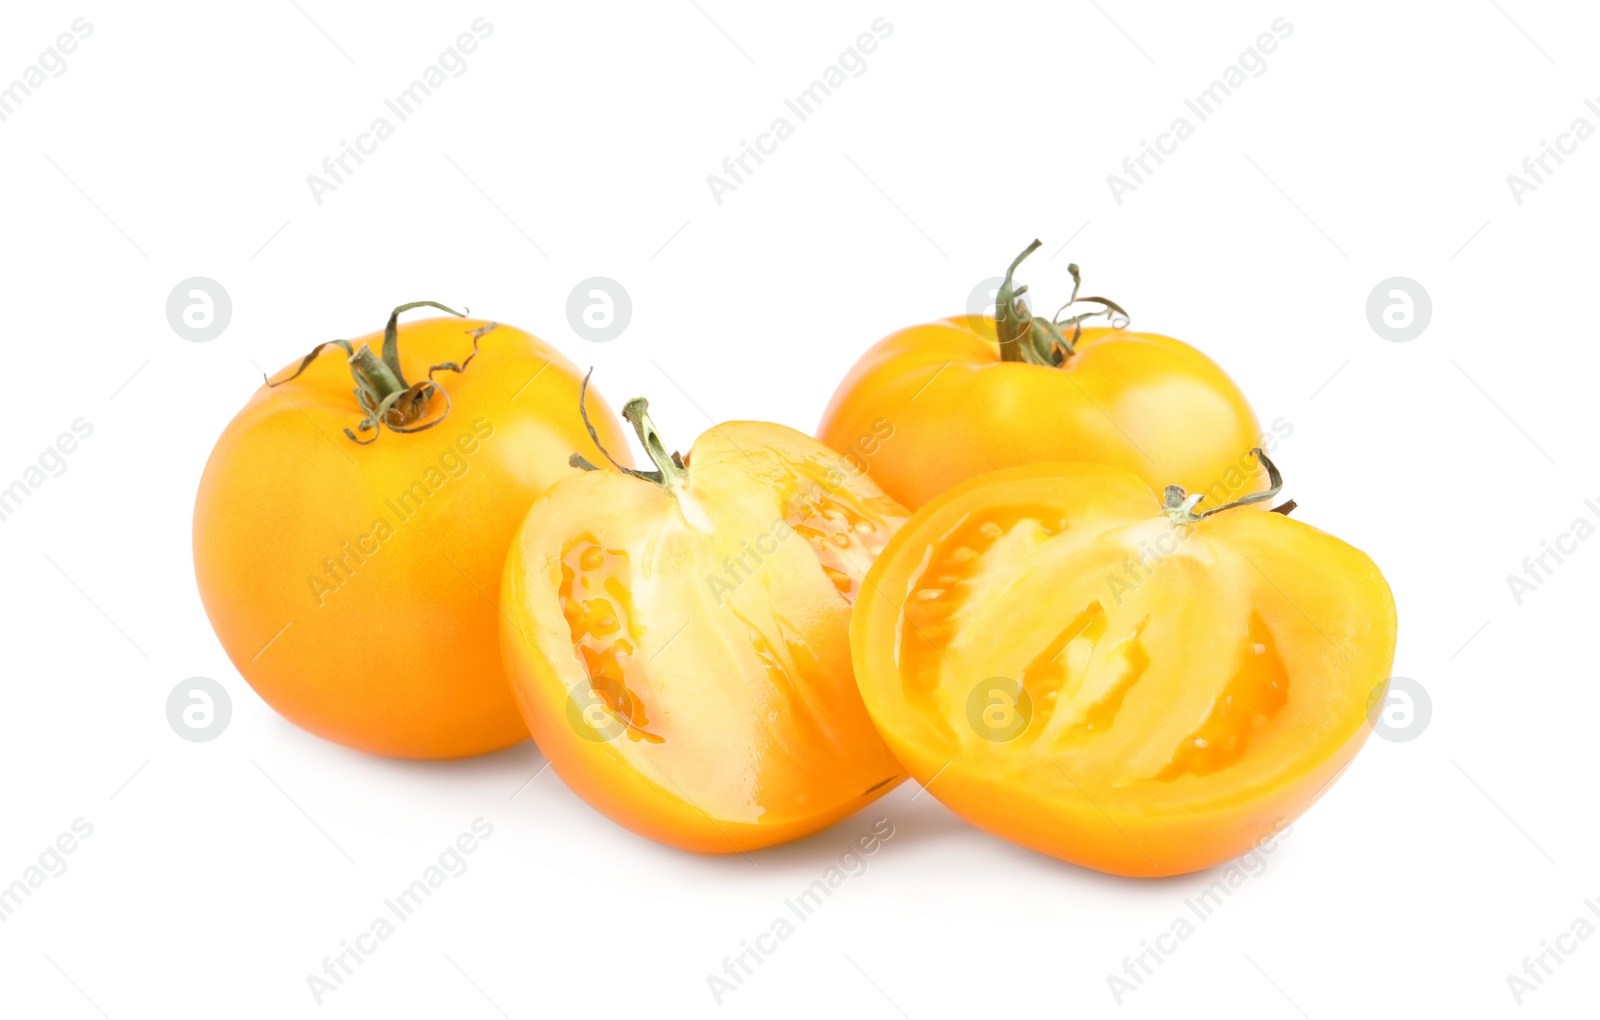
<point>381,387</point>
<point>1036,341</point>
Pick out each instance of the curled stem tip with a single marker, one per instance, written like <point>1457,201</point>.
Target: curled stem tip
<point>670,472</point>
<point>391,331</point>
<point>1180,505</point>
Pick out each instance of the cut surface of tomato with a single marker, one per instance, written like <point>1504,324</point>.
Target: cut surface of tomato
<point>1073,667</point>
<point>679,641</point>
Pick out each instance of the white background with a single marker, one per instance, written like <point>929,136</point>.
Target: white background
<point>577,143</point>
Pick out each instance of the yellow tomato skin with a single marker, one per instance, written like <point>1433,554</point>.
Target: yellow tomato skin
<point>682,657</point>
<point>1190,689</point>
<point>954,410</point>
<point>352,585</point>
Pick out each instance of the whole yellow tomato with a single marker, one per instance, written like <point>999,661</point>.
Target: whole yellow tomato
<point>679,639</point>
<point>1070,661</point>
<point>936,404</point>
<point>349,573</point>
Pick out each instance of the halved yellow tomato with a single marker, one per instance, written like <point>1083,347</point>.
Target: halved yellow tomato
<point>1068,660</point>
<point>678,639</point>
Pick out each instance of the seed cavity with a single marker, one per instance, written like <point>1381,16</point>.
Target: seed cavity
<point>1255,694</point>
<point>598,607</point>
